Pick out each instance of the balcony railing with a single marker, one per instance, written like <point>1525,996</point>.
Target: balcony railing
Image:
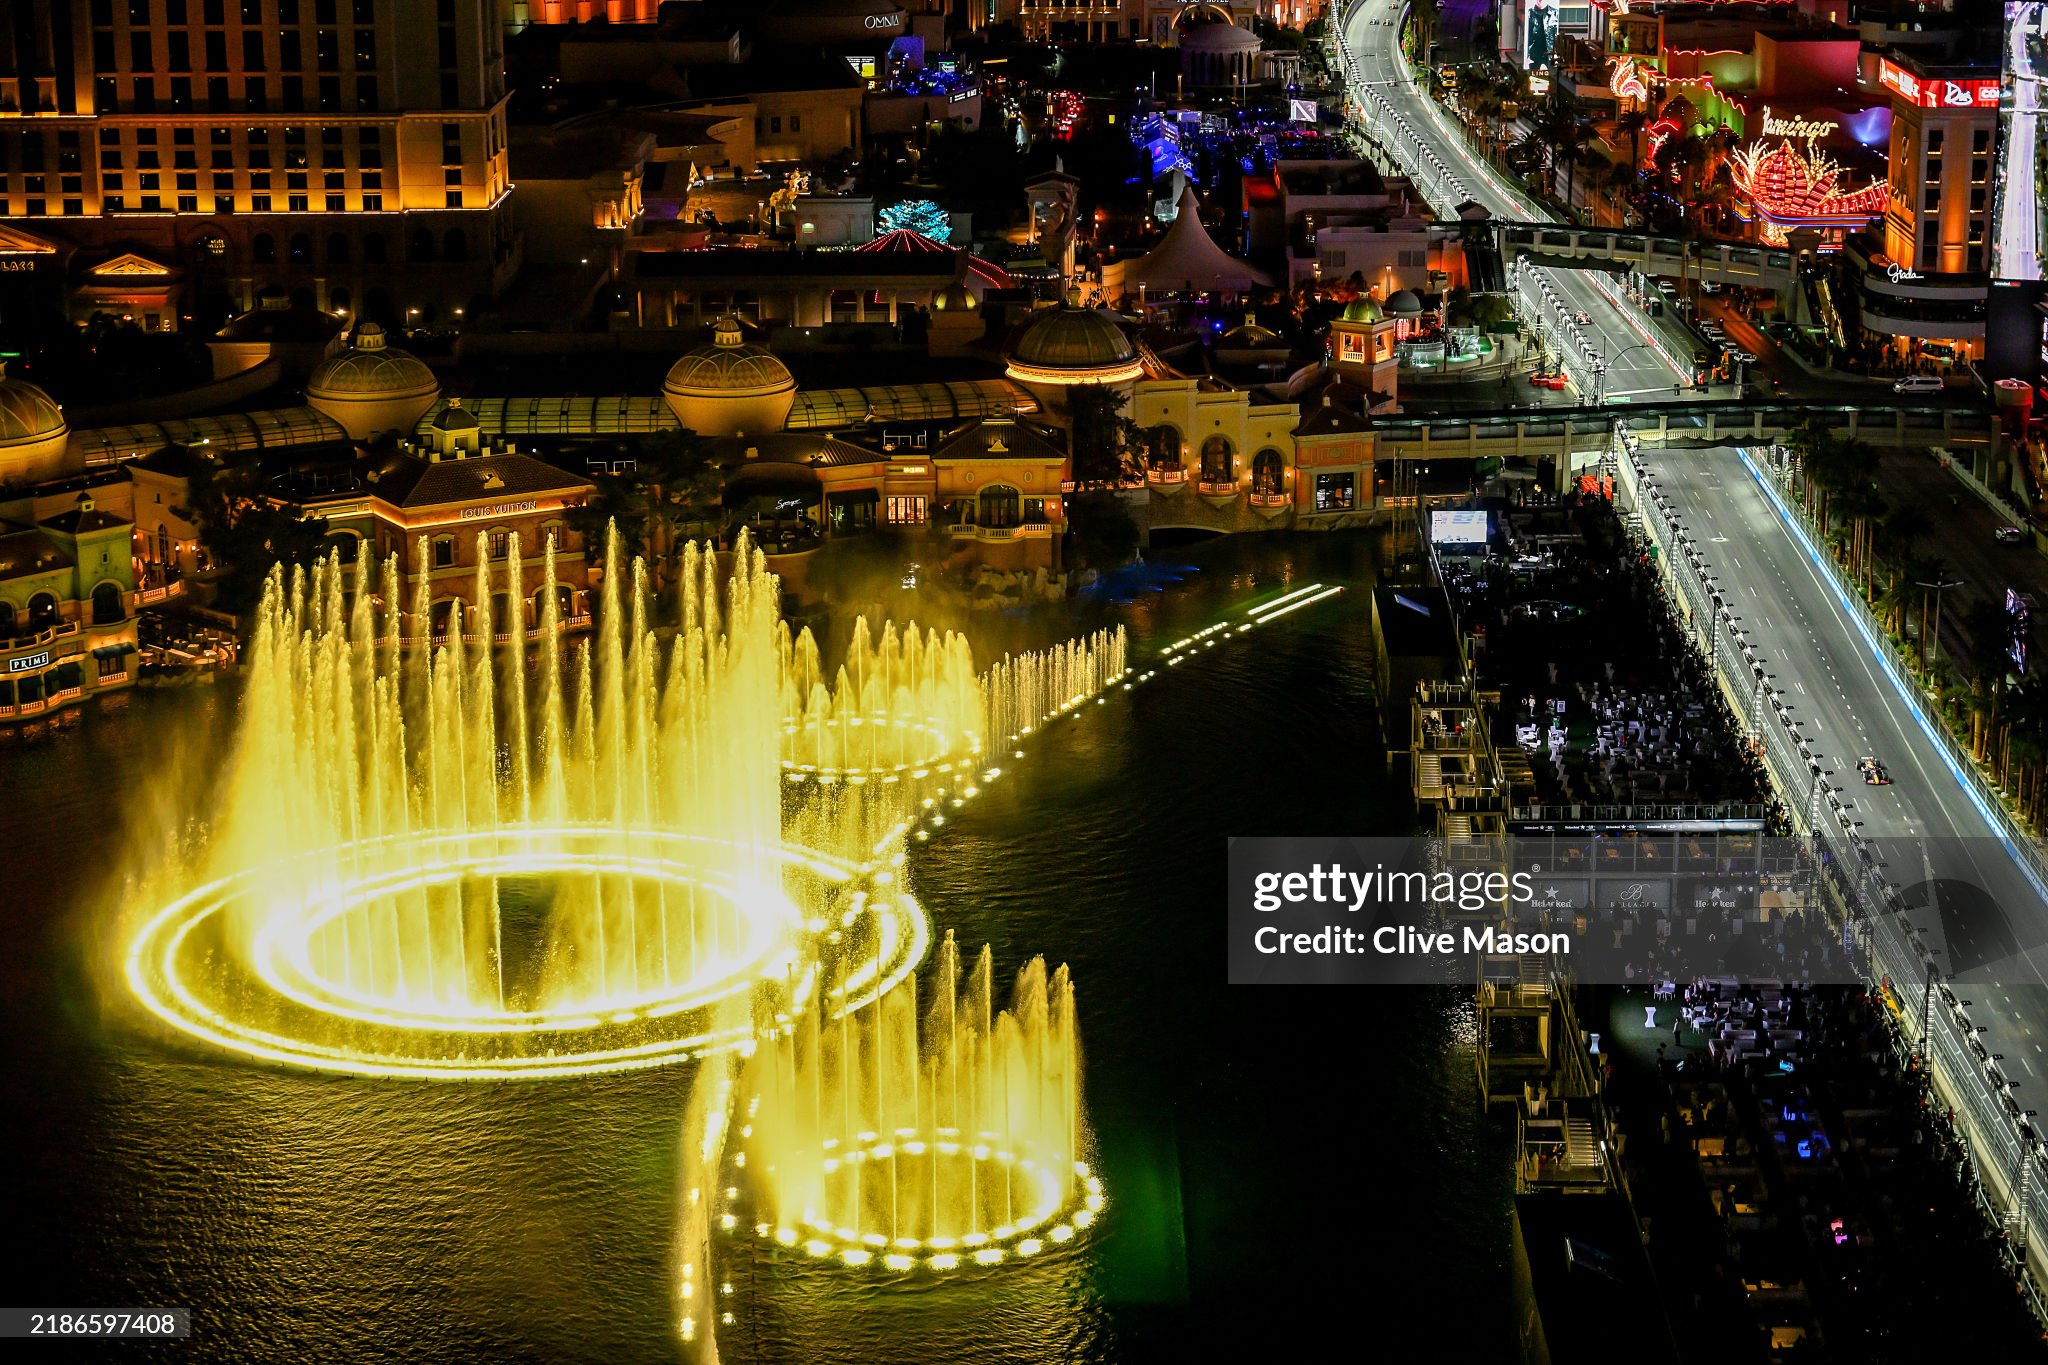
<point>1217,488</point>
<point>1166,474</point>
<point>47,635</point>
<point>1271,500</point>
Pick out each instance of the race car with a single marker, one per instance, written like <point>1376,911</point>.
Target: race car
<point>1874,773</point>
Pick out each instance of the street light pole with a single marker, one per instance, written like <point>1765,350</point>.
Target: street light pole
<point>1937,586</point>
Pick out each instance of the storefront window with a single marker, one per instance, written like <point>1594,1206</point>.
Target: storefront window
<point>1334,492</point>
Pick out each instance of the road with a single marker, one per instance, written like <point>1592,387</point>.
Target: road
<point>1423,140</point>
<point>1848,705</point>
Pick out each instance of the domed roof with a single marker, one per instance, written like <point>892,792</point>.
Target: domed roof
<point>1363,309</point>
<point>729,363</point>
<point>26,412</point>
<point>371,370</point>
<point>1072,338</point>
<point>1220,38</point>
<point>1403,301</point>
<point>955,298</point>
<point>455,417</point>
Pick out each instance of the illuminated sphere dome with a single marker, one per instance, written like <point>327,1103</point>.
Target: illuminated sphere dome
<point>1076,341</point>
<point>373,388</point>
<point>1363,310</point>
<point>1072,345</point>
<point>955,298</point>
<point>729,387</point>
<point>35,440</point>
<point>1402,303</point>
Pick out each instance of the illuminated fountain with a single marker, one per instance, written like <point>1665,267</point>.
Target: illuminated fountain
<point>489,853</point>
<point>879,1138</point>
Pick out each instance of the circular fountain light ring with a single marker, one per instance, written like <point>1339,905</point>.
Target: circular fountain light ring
<point>280,1006</point>
<point>1055,1218</point>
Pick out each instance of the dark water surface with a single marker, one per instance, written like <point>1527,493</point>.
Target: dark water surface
<point>1293,1174</point>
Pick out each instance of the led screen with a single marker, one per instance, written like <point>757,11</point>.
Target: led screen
<point>1457,528</point>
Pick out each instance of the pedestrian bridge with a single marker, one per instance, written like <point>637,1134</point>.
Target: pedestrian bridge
<point>1576,248</point>
<point>1578,436</point>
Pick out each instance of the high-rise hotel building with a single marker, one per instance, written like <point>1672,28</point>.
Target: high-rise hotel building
<point>351,151</point>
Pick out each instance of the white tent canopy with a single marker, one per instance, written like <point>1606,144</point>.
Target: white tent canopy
<point>1188,259</point>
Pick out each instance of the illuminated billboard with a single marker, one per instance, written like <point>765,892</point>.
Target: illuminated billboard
<point>1539,40</point>
<point>2016,210</point>
<point>1936,94</point>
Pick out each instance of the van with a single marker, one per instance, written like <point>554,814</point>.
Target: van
<point>1918,383</point>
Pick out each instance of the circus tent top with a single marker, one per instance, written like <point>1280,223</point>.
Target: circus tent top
<point>988,274</point>
<point>1188,258</point>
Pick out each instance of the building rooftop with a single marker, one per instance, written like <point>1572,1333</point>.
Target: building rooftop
<point>423,483</point>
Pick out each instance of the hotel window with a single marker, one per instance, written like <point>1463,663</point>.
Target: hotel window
<point>1980,141</point>
<point>501,543</point>
<point>252,50</point>
<point>906,511</point>
<point>1333,492</point>
<point>1978,169</point>
<point>444,551</point>
<point>364,11</point>
<point>455,199</point>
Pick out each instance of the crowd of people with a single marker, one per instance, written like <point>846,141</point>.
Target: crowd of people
<point>1604,690</point>
<point>1840,1202</point>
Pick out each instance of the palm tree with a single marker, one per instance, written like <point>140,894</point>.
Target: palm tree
<point>1560,124</point>
<point>1631,122</point>
<point>1987,629</point>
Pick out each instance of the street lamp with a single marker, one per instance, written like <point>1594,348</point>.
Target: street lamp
<point>1937,586</point>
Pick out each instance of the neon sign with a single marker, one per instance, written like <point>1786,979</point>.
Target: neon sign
<point>1937,94</point>
<point>1626,80</point>
<point>1805,129</point>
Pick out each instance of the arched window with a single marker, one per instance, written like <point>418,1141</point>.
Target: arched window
<point>373,248</point>
<point>337,248</point>
<point>263,249</point>
<point>343,543</point>
<point>1216,460</point>
<point>422,247</point>
<point>501,613</point>
<point>42,612</point>
<point>339,298</point>
<point>565,602</point>
<point>301,249</point>
<point>7,626</point>
<point>997,505</point>
<point>106,604</point>
<point>1267,470</point>
<point>441,615</point>
<point>163,544</point>
<point>1162,445</point>
<point>455,245</point>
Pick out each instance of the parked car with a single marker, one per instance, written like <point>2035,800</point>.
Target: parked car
<point>1918,383</point>
<point>2011,535</point>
